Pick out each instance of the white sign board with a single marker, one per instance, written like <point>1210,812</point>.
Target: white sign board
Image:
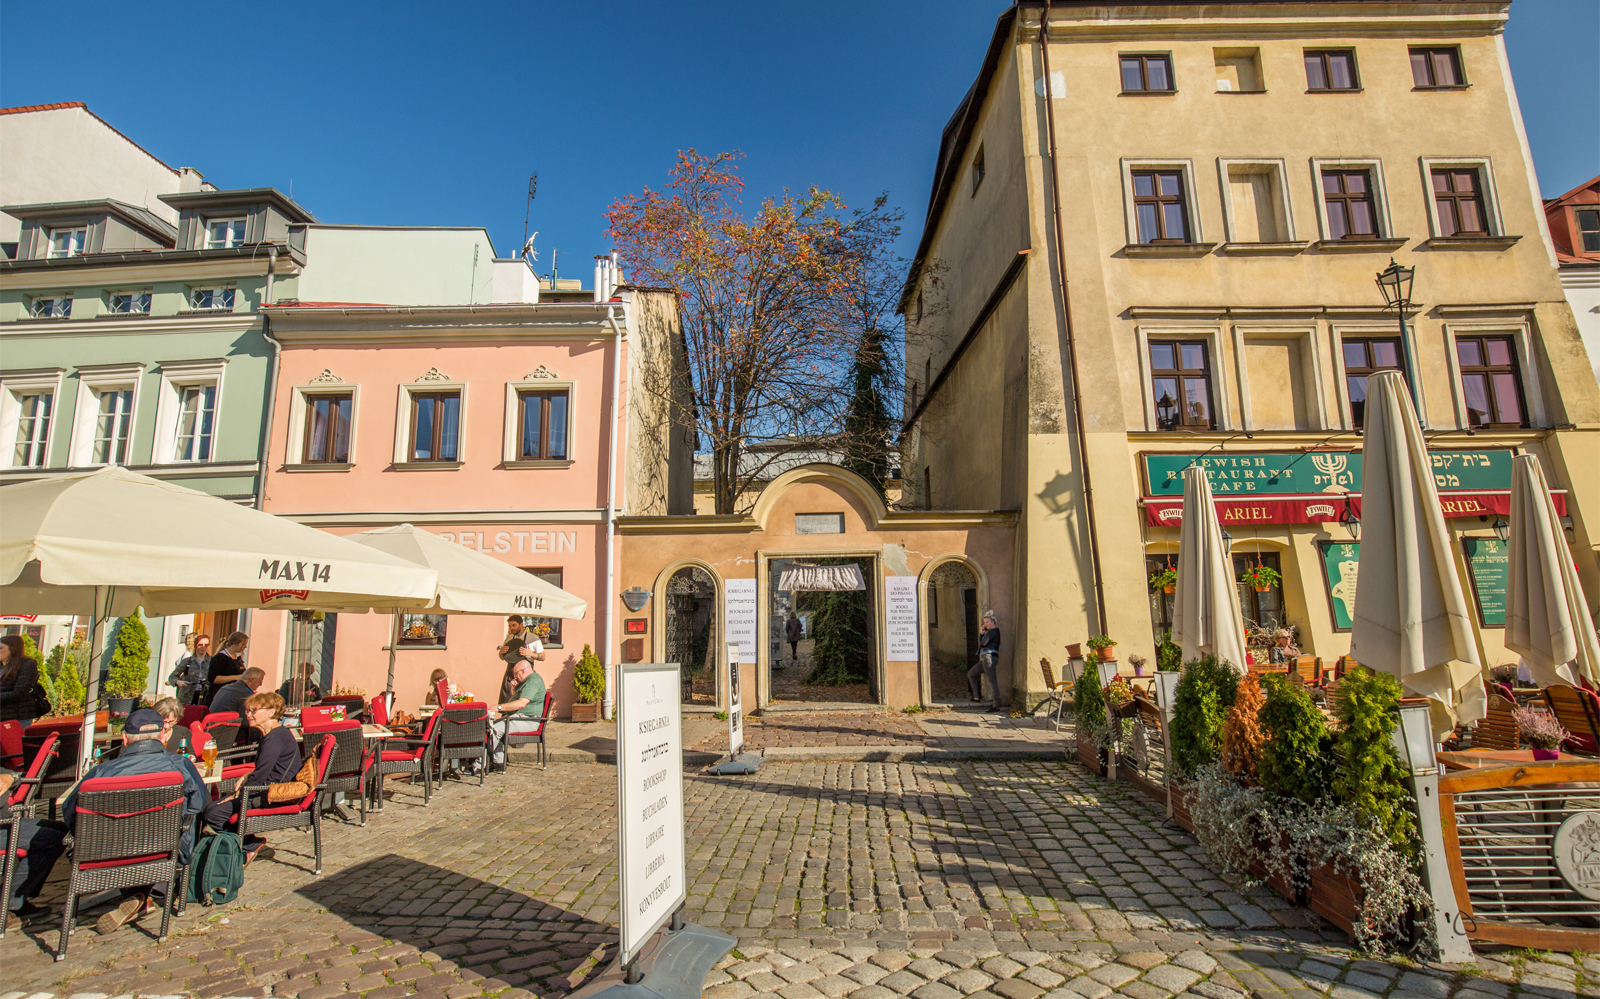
<point>735,709</point>
<point>739,616</point>
<point>900,617</point>
<point>649,800</point>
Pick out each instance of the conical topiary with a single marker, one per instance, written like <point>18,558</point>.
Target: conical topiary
<point>130,663</point>
<point>589,678</point>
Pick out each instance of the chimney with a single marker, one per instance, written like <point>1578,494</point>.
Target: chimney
<point>600,275</point>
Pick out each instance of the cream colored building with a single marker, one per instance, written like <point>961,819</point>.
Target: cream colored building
<point>1171,258</point>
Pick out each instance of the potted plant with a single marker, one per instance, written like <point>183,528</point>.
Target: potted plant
<point>1074,650</point>
<point>1137,662</point>
<point>1119,698</point>
<point>1166,580</point>
<point>130,666</point>
<point>589,683</point>
<point>1541,732</point>
<point>1259,577</point>
<point>1102,646</point>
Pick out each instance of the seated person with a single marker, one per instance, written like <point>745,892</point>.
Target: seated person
<point>177,738</point>
<point>521,713</point>
<point>232,699</point>
<point>277,761</point>
<point>302,686</point>
<point>44,843</point>
<point>433,686</point>
<point>143,753</point>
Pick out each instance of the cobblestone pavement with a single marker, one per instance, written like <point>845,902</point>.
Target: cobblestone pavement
<point>812,730</point>
<point>956,880</point>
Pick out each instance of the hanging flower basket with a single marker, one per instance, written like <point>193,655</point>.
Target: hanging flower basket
<point>1260,578</point>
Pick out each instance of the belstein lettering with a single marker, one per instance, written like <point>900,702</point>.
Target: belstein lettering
<point>524,602</point>
<point>288,569</point>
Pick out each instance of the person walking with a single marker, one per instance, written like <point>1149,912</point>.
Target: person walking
<point>988,660</point>
<point>792,632</point>
<point>189,674</point>
<point>226,666</point>
<point>19,675</point>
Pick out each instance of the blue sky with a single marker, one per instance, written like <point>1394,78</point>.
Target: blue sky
<point>412,113</point>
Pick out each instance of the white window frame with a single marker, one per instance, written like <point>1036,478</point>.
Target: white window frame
<point>402,424</point>
<point>1522,335</point>
<point>242,222</point>
<point>50,242</point>
<point>56,309</point>
<point>1276,167</point>
<point>215,290</point>
<point>1362,330</point>
<point>14,385</point>
<point>1491,198</point>
<point>1212,334</point>
<point>1310,364</point>
<point>1380,190</point>
<point>513,425</point>
<point>175,377</point>
<point>92,381</point>
<point>1191,202</point>
<point>112,296</point>
<point>300,397</point>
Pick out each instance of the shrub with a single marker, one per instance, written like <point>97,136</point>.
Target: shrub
<point>1205,692</point>
<point>1294,762</point>
<point>1367,776</point>
<point>30,649</point>
<point>130,662</point>
<point>1242,735</point>
<point>839,655</point>
<point>1169,655</point>
<point>72,670</point>
<point>588,678</point>
<point>1090,702</point>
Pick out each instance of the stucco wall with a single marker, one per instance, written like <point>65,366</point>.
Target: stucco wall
<point>378,265</point>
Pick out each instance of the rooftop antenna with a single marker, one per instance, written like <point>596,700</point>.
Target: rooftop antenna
<point>533,190</point>
<point>555,270</point>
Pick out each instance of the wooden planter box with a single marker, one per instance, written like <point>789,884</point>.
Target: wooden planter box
<point>1336,897</point>
<point>1180,806</point>
<point>1274,880</point>
<point>586,712</point>
<point>1090,756</point>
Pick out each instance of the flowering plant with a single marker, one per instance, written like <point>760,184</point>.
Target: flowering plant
<point>1118,692</point>
<point>1539,729</point>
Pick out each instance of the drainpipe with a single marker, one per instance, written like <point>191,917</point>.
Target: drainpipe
<point>607,704</point>
<point>1066,318</point>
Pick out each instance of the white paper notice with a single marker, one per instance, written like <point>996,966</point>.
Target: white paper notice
<point>739,616</point>
<point>735,705</point>
<point>900,617</point>
<point>649,799</point>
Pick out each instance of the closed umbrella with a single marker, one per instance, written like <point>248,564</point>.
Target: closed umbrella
<point>469,582</point>
<point>1411,618</point>
<point>1206,619</point>
<point>1547,618</point>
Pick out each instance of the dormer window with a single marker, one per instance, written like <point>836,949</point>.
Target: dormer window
<point>68,242</point>
<point>222,233</point>
<point>215,299</point>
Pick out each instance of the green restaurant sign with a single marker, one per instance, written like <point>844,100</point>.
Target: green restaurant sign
<point>1486,566</point>
<point>1304,472</point>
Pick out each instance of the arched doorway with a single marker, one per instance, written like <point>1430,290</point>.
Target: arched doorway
<point>690,612</point>
<point>951,610</point>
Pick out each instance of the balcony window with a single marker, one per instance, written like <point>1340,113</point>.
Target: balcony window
<point>1331,70</point>
<point>197,414</point>
<point>435,426</point>
<point>1363,358</point>
<point>327,438</point>
<point>1160,207</point>
<point>68,242</point>
<point>1180,384</point>
<point>33,429</point>
<point>1490,382</point>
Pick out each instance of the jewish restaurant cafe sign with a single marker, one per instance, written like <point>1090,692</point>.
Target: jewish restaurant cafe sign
<point>1310,487</point>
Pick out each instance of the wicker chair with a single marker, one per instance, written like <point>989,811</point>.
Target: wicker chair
<point>349,767</point>
<point>236,761</point>
<point>126,836</point>
<point>354,705</point>
<point>318,715</point>
<point>1058,690</point>
<point>223,726</point>
<point>464,735</point>
<point>536,735</point>
<point>1578,711</point>
<point>57,778</point>
<point>18,805</point>
<point>415,760</point>
<point>300,814</point>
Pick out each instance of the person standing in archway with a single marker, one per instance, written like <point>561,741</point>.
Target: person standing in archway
<point>988,660</point>
<point>791,634</point>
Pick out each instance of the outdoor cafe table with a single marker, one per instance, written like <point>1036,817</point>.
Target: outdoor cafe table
<point>1480,759</point>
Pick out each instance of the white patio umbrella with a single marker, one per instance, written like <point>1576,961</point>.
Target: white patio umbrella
<point>1411,618</point>
<point>108,541</point>
<point>469,582</point>
<point>1547,618</point>
<point>1206,619</point>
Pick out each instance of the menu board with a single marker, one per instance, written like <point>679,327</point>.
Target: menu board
<point>1487,566</point>
<point>1340,560</point>
<point>900,617</point>
<point>649,800</point>
<point>739,616</point>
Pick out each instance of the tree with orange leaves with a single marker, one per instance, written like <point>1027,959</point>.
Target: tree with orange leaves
<point>778,307</point>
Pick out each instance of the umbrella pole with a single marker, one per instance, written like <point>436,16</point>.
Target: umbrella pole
<point>91,697</point>
<point>394,643</point>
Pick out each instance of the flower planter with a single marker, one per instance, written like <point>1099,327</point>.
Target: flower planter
<point>121,707</point>
<point>1108,654</point>
<point>1262,589</point>
<point>1285,889</point>
<point>1172,588</point>
<point>1546,754</point>
<point>1180,806</point>
<point>1336,897</point>
<point>1129,710</point>
<point>586,712</point>
<point>1091,756</point>
<point>1075,650</point>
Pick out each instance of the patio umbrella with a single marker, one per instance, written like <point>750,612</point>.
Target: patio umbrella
<point>108,541</point>
<point>1206,619</point>
<point>469,582</point>
<point>1547,618</point>
<point>1411,619</point>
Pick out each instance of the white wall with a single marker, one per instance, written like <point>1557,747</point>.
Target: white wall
<point>514,281</point>
<point>1582,286</point>
<point>379,265</point>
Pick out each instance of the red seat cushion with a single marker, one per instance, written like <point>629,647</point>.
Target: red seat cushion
<point>397,755</point>
<point>161,778</point>
<point>276,810</point>
<point>124,862</point>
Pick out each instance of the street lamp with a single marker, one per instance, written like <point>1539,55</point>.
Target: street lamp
<point>1351,522</point>
<point>1502,530</point>
<point>1413,738</point>
<point>1395,283</point>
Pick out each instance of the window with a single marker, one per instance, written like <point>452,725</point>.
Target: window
<point>53,308</point>
<point>977,170</point>
<point>1490,382</point>
<point>197,414</point>
<point>1146,74</point>
<point>423,629</point>
<point>1459,197</point>
<point>1180,384</point>
<point>542,426</point>
<point>68,242</point>
<point>33,429</point>
<point>327,437</point>
<point>112,424</point>
<point>1347,195</point>
<point>220,299</point>
<point>224,233</point>
<point>1162,604</point>
<point>1331,69</point>
<point>547,628</point>
<point>435,426</point>
<point>1158,204</point>
<point>1263,609</point>
<point>1364,358</point>
<point>1238,71</point>
<point>1439,67</point>
<point>1588,221</point>
<point>130,302</point>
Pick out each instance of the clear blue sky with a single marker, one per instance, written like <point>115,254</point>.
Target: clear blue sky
<point>412,113</point>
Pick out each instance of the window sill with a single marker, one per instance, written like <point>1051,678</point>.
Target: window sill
<point>1148,93</point>
<point>1458,86</point>
<point>537,463</point>
<point>415,648</point>
<point>425,466</point>
<point>1335,90</point>
<point>319,466</point>
<point>1359,245</point>
<point>1241,91</point>
<point>1471,242</point>
<point>1286,249</point>
<point>1167,249</point>
<point>123,315</point>
<point>211,312</point>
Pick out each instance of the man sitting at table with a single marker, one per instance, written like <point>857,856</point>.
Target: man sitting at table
<point>232,697</point>
<point>143,753</point>
<point>520,714</point>
<point>44,841</point>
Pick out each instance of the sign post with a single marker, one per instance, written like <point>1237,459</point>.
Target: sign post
<point>737,762</point>
<point>660,954</point>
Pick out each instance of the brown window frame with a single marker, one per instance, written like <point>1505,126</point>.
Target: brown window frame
<point>1183,375</point>
<point>1322,55</point>
<point>310,419</point>
<point>544,572</point>
<point>1161,201</point>
<point>1367,371</point>
<point>1431,53</point>
<point>1343,199</point>
<point>438,428</point>
<point>1455,199</point>
<point>1144,59</point>
<point>1578,230</point>
<point>545,396</point>
<point>1487,371</point>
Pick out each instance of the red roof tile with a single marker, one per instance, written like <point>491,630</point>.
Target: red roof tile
<point>45,107</point>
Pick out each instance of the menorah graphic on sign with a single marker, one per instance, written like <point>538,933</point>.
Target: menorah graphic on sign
<point>1335,469</point>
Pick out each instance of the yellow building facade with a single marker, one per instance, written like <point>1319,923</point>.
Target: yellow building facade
<point>1152,240</point>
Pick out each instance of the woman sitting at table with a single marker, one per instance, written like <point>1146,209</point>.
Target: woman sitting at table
<point>177,738</point>
<point>433,686</point>
<point>277,761</point>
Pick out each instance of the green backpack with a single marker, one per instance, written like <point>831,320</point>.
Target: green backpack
<point>216,872</point>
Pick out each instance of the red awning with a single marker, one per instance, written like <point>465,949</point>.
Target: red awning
<point>1318,508</point>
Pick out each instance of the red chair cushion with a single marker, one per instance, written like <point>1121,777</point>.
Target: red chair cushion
<point>380,711</point>
<point>332,726</point>
<point>11,738</point>
<point>397,755</point>
<point>124,862</point>
<point>237,769</point>
<point>163,778</point>
<point>54,725</point>
<point>222,718</point>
